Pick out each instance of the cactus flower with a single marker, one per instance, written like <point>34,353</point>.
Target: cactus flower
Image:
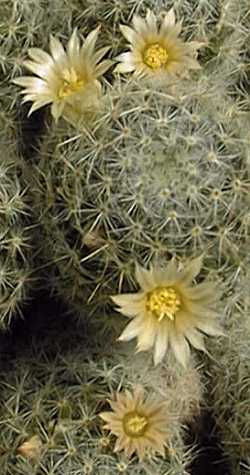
<point>169,311</point>
<point>66,79</point>
<point>157,52</point>
<point>140,423</point>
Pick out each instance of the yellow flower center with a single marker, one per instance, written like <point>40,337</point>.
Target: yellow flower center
<point>155,56</point>
<point>134,424</point>
<point>71,83</point>
<point>163,302</point>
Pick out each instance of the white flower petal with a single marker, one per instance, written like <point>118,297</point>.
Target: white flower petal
<point>169,19</point>
<point>151,22</point>
<point>101,68</point>
<point>210,327</point>
<point>57,50</point>
<point>124,68</point>
<point>40,56</point>
<point>98,55</point>
<point>30,82</point>
<point>57,109</point>
<point>89,43</point>
<point>127,58</point>
<point>132,36</point>
<point>180,347</point>
<point>147,336</point>
<point>139,25</point>
<point>44,71</point>
<point>196,339</point>
<point>38,104</point>
<point>166,276</point>
<point>144,277</point>
<point>191,270</point>
<point>206,291</point>
<point>73,47</point>
<point>161,344</point>
<point>132,330</point>
<point>128,299</point>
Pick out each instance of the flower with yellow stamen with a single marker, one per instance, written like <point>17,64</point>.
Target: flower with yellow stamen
<point>157,52</point>
<point>141,423</point>
<point>170,311</point>
<point>67,79</point>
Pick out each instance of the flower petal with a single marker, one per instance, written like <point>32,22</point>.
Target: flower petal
<point>124,68</point>
<point>180,347</point>
<point>130,304</point>
<point>210,327</point>
<point>196,339</point>
<point>73,47</point>
<point>161,344</point>
<point>144,277</point>
<point>57,109</point>
<point>132,330</point>
<point>132,36</point>
<point>151,22</point>
<point>44,70</point>
<point>57,50</point>
<point>40,56</point>
<point>38,104</point>
<point>139,25</point>
<point>88,46</point>
<point>191,270</point>
<point>147,335</point>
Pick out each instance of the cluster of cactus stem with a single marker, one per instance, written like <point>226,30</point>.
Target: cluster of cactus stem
<point>16,256</point>
<point>159,172</point>
<point>50,406</point>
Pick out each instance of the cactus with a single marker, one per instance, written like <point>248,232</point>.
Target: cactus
<point>15,227</point>
<point>161,171</point>
<point>50,407</point>
<point>230,394</point>
<point>158,176</point>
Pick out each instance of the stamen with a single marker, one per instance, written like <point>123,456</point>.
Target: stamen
<point>71,83</point>
<point>155,56</point>
<point>163,302</point>
<point>134,424</point>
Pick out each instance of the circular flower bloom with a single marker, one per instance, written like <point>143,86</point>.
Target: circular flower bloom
<point>170,310</point>
<point>67,79</point>
<point>157,51</point>
<point>141,424</point>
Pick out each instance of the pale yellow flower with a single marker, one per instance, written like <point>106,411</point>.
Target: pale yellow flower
<point>140,423</point>
<point>67,79</point>
<point>170,311</point>
<point>157,52</point>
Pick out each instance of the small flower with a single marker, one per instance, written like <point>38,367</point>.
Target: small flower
<point>141,424</point>
<point>66,79</point>
<point>170,311</point>
<point>32,448</point>
<point>157,52</point>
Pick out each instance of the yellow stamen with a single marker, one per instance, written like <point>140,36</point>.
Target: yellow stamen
<point>163,302</point>
<point>71,83</point>
<point>155,56</point>
<point>134,424</point>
